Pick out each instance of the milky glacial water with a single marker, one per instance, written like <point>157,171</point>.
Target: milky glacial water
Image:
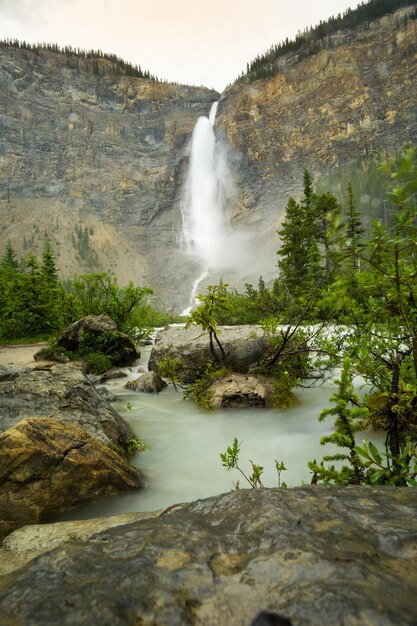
<point>183,462</point>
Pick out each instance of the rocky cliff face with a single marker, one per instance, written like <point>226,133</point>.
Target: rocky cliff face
<point>356,97</point>
<point>110,152</point>
<point>85,151</point>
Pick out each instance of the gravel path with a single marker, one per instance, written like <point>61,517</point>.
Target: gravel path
<point>19,355</point>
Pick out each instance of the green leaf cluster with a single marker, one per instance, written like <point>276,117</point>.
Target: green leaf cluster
<point>230,460</point>
<point>200,390</point>
<point>169,367</point>
<point>130,447</point>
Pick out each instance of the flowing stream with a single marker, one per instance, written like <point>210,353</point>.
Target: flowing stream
<point>183,461</point>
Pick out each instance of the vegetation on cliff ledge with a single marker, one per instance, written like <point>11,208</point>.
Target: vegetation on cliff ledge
<point>313,39</point>
<point>96,61</point>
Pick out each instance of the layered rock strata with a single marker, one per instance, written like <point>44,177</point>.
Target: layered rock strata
<point>93,161</point>
<point>97,163</point>
<point>354,98</point>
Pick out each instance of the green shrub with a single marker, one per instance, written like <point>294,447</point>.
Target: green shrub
<point>99,362</point>
<point>200,390</point>
<point>132,445</point>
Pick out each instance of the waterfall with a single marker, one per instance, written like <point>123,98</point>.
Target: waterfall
<point>193,297</point>
<point>213,112</point>
<point>205,225</point>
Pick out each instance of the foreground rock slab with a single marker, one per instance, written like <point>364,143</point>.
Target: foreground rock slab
<point>47,465</point>
<point>67,394</point>
<point>24,544</point>
<point>316,555</point>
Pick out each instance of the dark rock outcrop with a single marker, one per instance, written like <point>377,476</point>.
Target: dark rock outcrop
<point>45,354</point>
<point>243,345</point>
<point>65,393</point>
<point>100,331</point>
<point>149,382</point>
<point>47,465</point>
<point>315,555</point>
<point>107,395</point>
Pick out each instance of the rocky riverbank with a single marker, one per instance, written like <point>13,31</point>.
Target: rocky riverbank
<point>314,554</point>
<point>61,442</point>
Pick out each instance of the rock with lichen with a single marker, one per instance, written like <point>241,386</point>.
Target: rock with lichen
<point>47,465</point>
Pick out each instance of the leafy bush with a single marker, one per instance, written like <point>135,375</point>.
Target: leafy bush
<point>169,368</point>
<point>230,460</point>
<point>132,445</point>
<point>99,362</point>
<point>200,390</point>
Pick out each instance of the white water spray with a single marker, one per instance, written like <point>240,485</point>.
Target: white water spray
<point>206,230</point>
<point>213,112</point>
<point>193,297</point>
<point>204,222</point>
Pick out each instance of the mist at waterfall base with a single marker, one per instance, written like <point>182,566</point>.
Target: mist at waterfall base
<point>220,249</point>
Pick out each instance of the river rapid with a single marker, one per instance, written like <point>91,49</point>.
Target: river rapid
<point>183,460</point>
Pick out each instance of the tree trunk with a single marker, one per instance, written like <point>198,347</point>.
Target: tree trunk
<point>393,430</point>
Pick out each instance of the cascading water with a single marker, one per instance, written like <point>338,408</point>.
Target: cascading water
<point>213,113</point>
<point>205,225</point>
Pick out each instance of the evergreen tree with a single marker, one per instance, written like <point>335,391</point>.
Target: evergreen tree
<point>48,269</point>
<point>10,276</point>
<point>307,203</point>
<point>9,262</point>
<point>293,251</point>
<point>51,295</point>
<point>31,264</point>
<point>327,211</point>
<point>353,231</point>
<point>315,271</point>
<point>307,228</point>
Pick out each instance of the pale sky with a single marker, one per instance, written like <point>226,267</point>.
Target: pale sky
<point>187,41</point>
